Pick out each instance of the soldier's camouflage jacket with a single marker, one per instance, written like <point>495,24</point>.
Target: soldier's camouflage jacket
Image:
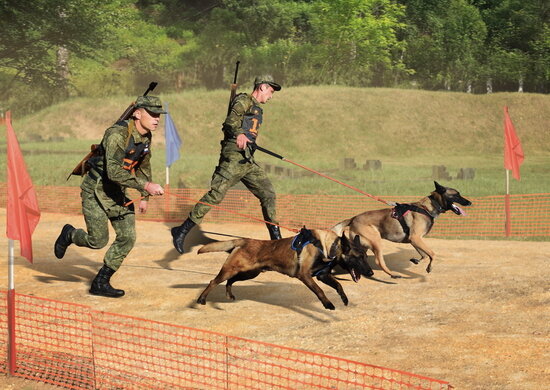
<point>245,117</point>
<point>124,162</point>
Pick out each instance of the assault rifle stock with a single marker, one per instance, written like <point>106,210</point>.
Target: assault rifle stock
<point>81,168</point>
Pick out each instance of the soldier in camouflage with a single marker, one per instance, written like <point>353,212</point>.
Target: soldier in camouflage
<point>123,161</point>
<point>236,162</point>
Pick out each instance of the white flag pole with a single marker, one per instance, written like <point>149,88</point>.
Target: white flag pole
<point>12,352</point>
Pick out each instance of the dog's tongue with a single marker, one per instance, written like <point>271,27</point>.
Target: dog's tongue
<point>457,208</point>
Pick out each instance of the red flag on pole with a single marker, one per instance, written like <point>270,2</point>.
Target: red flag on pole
<point>22,213</point>
<point>513,153</point>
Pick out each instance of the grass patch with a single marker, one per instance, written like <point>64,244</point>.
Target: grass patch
<point>409,131</point>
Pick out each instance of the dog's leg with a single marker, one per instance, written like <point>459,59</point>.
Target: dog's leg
<point>370,238</point>
<point>418,243</point>
<point>422,256</point>
<point>308,281</point>
<point>376,247</point>
<point>329,280</point>
<point>238,277</point>
<point>227,272</point>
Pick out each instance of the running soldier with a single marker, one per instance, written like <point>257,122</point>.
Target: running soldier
<point>237,161</point>
<point>122,161</point>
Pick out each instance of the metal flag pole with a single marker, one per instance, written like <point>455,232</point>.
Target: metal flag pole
<point>11,311</point>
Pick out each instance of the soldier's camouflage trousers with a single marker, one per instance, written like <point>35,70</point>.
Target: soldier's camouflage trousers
<point>97,235</point>
<point>228,173</point>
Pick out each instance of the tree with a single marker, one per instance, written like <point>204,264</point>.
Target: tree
<point>445,43</point>
<point>34,30</point>
<point>517,43</point>
<point>354,37</point>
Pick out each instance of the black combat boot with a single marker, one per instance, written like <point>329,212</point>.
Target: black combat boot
<point>63,241</point>
<point>274,231</point>
<point>101,285</point>
<point>179,233</point>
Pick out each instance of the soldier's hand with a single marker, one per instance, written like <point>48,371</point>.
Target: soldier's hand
<point>242,141</point>
<point>154,188</point>
<point>143,206</point>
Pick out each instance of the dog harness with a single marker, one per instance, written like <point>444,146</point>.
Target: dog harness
<point>305,237</point>
<point>401,209</point>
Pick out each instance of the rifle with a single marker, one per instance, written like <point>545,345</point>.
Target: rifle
<point>82,167</point>
<point>233,88</point>
<point>126,114</point>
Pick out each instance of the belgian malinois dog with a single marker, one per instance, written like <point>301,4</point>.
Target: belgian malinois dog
<point>311,253</point>
<point>407,223</point>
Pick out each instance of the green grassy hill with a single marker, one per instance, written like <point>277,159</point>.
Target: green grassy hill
<point>409,131</point>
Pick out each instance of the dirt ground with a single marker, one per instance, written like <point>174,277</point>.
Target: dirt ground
<point>480,320</point>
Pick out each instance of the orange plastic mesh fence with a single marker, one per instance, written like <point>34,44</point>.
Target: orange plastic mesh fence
<point>75,347</point>
<point>529,214</point>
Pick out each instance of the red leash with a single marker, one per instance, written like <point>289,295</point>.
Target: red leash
<point>230,211</point>
<point>323,175</point>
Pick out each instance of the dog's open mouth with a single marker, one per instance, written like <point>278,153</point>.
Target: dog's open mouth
<point>457,210</point>
<point>354,275</point>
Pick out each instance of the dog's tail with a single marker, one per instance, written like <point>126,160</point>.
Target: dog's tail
<point>340,226</point>
<point>221,246</point>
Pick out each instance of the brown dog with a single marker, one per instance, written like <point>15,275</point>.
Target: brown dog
<point>407,223</point>
<point>310,253</point>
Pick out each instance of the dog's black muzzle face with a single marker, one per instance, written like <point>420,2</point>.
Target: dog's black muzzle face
<point>457,198</point>
<point>451,196</point>
<point>356,266</point>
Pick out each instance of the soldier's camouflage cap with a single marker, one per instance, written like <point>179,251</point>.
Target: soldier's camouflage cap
<point>266,79</point>
<point>151,104</point>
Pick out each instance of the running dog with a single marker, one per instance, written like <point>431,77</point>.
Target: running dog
<point>406,223</point>
<point>311,253</point>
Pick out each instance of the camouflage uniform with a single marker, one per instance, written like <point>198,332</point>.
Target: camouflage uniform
<point>122,160</point>
<point>236,164</point>
<point>244,118</point>
<point>103,193</point>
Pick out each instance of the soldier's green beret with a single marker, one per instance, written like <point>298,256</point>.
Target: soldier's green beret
<point>151,104</point>
<point>266,79</point>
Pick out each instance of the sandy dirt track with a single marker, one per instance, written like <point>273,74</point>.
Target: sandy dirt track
<point>480,320</point>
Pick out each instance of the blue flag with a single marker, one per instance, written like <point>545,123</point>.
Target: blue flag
<point>173,141</point>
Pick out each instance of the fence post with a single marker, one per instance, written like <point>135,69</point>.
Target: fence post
<point>508,221</point>
<point>90,317</point>
<point>226,362</point>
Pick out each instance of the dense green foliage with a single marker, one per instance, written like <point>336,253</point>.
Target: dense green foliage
<point>50,50</point>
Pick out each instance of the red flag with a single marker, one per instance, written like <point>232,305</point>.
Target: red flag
<point>513,153</point>
<point>23,213</point>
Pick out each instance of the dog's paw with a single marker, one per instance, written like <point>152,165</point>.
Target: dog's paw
<point>429,269</point>
<point>202,301</point>
<point>329,306</point>
<point>396,276</point>
<point>345,300</point>
<point>415,261</point>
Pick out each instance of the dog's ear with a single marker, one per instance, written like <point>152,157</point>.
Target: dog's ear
<point>439,188</point>
<point>346,245</point>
